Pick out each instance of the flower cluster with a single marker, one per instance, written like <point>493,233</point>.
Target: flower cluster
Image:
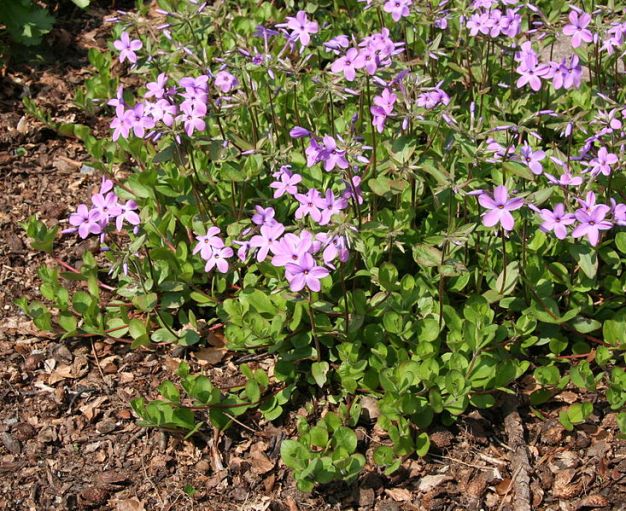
<point>106,209</point>
<point>185,105</point>
<point>373,52</point>
<point>491,21</point>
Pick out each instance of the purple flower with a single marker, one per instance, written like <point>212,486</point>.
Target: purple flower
<point>353,189</point>
<point>139,121</point>
<point>301,28</point>
<point>192,117</point>
<point>330,205</point>
<point>601,164</point>
<point>346,64</point>
<point>263,216</point>
<point>308,205</point>
<point>337,43</point>
<point>106,206</point>
<point>556,220</point>
<point>619,212</point>
<point>286,183</point>
<point>433,98</point>
<point>207,243</point>
<point>290,247</point>
<point>299,132</point>
<point>332,156</point>
<point>156,89</point>
<point>532,158</point>
<point>577,28</point>
<point>305,273</point>
<point>531,72</point>
<point>334,247</point>
<point>499,208</point>
<point>266,240</point>
<point>127,48</point>
<point>592,222</point>
<point>397,8</point>
<point>218,259</point>
<point>566,179</point>
<point>128,214</point>
<point>87,221</point>
<point>225,81</point>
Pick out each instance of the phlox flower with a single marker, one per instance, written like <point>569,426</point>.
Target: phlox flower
<point>353,189</point>
<point>266,240</point>
<point>290,247</point>
<point>225,81</point>
<point>218,259</point>
<point>532,159</point>
<point>301,28</point>
<point>591,222</point>
<point>106,206</point>
<point>335,247</point>
<point>127,214</point>
<point>286,183</point>
<point>556,220</point>
<point>329,206</point>
<point>531,72</point>
<point>86,221</point>
<point>127,48</point>
<point>499,208</point>
<point>602,163</point>
<point>308,205</point>
<point>337,44</point>
<point>207,243</point>
<point>305,273</point>
<point>263,216</point>
<point>397,8</point>
<point>577,28</point>
<point>566,179</point>
<point>433,98</point>
<point>619,212</point>
<point>156,89</point>
<point>346,64</point>
<point>332,156</point>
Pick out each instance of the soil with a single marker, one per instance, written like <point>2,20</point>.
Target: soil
<point>68,438</point>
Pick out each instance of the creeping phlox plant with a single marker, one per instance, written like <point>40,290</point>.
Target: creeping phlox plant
<point>417,202</point>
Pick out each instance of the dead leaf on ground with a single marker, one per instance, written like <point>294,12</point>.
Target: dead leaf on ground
<point>427,483</point>
<point>129,505</point>
<point>563,487</point>
<point>210,355</point>
<point>399,494</point>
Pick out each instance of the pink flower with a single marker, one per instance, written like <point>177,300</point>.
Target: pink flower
<point>592,222</point>
<point>127,48</point>
<point>302,28</point>
<point>556,220</point>
<point>602,163</point>
<point>577,28</point>
<point>218,259</point>
<point>499,208</point>
<point>305,273</point>
<point>397,8</point>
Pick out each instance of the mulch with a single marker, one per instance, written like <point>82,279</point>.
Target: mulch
<point>69,440</point>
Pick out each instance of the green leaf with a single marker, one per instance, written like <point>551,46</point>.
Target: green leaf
<point>82,3</point>
<point>422,444</point>
<point>319,371</point>
<point>427,256</point>
<point>346,438</point>
<point>620,242</point>
<point>586,257</point>
<point>294,454</point>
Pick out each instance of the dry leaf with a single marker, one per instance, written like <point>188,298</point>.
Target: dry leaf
<point>427,483</point>
<point>210,355</point>
<point>592,501</point>
<point>399,494</point>
<point>90,410</point>
<point>562,487</point>
<point>261,464</point>
<point>129,505</point>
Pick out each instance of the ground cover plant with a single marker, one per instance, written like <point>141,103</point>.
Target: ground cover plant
<point>417,203</point>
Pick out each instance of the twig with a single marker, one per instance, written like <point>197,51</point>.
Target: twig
<point>520,463</point>
<point>95,355</point>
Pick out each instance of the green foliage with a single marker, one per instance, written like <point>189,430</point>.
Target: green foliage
<point>41,237</point>
<point>432,313</point>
